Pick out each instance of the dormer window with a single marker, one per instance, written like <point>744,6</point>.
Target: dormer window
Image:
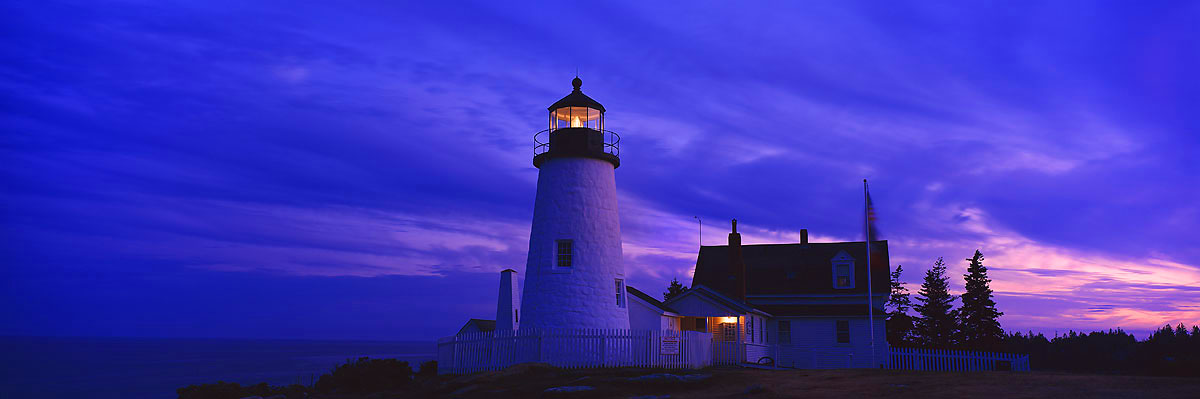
<point>843,271</point>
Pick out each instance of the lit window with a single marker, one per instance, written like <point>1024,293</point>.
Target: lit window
<point>785,332</point>
<point>565,248</point>
<point>729,331</point>
<point>843,331</point>
<point>620,293</point>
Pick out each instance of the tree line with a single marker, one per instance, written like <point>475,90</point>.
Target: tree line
<point>974,325</point>
<point>938,324</point>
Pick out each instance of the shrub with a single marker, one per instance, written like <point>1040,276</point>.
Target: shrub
<point>366,375</point>
<point>231,390</point>
<point>220,390</point>
<point>428,369</point>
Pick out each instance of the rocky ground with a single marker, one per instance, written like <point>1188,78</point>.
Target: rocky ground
<point>539,381</point>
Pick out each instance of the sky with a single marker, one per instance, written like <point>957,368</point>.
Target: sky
<point>363,170</point>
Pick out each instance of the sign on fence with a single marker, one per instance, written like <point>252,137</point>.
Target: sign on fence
<point>669,345</point>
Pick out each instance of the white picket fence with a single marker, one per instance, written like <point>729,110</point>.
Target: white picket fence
<point>593,348</point>
<point>954,360</point>
<point>574,348</point>
<point>727,353</point>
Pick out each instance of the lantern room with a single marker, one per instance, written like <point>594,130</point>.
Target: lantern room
<point>576,130</point>
<point>576,110</point>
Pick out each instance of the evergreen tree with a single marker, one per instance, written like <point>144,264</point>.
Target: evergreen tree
<point>978,327</point>
<point>899,322</point>
<point>674,290</point>
<point>936,317</point>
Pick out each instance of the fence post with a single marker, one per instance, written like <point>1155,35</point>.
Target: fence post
<point>603,349</point>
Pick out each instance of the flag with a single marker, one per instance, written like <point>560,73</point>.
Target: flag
<point>872,230</point>
<point>872,234</point>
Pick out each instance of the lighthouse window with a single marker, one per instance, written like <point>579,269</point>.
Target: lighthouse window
<point>620,293</point>
<point>576,117</point>
<point>565,248</point>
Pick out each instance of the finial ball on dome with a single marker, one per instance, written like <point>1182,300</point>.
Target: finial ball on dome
<point>577,82</point>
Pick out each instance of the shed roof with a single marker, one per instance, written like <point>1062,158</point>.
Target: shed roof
<point>649,299</point>
<point>481,324</point>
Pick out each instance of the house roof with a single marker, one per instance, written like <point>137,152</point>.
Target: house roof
<point>793,269</point>
<point>649,299</point>
<point>481,324</point>
<point>819,310</point>
<point>719,298</point>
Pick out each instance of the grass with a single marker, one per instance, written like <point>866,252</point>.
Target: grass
<point>532,380</point>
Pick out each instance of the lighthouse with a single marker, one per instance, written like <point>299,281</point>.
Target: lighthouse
<point>574,275</point>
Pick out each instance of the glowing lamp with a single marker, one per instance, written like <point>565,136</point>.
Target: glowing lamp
<point>729,320</point>
<point>576,110</point>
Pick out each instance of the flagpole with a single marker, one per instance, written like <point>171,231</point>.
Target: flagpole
<point>870,301</point>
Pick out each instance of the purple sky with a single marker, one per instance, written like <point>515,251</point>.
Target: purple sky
<point>364,171</point>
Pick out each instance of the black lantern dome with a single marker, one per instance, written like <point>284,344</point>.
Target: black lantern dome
<point>576,130</point>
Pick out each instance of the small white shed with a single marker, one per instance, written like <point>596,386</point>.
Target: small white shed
<point>647,313</point>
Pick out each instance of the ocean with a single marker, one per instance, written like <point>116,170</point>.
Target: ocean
<point>150,368</point>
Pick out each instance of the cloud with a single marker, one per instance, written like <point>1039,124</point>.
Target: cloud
<point>324,142</point>
<point>1137,294</point>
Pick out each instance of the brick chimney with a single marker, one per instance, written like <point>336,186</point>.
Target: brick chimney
<point>736,264</point>
<point>803,236</point>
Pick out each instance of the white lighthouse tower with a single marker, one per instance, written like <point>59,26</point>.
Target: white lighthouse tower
<point>574,276</point>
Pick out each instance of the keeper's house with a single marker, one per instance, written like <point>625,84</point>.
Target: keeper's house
<point>804,303</point>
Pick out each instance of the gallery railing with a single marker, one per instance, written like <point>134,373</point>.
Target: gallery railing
<point>612,142</point>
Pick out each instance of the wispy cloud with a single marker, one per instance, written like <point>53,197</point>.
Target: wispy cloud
<point>317,141</point>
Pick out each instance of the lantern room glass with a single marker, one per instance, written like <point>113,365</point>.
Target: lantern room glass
<point>584,117</point>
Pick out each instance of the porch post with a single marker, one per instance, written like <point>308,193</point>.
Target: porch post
<point>738,345</point>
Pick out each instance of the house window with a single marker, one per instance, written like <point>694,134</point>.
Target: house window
<point>565,249</point>
<point>785,332</point>
<point>843,275</point>
<point>620,293</point>
<point>762,331</point>
<point>843,331</point>
<point>729,331</point>
<point>750,328</point>
<point>702,324</point>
